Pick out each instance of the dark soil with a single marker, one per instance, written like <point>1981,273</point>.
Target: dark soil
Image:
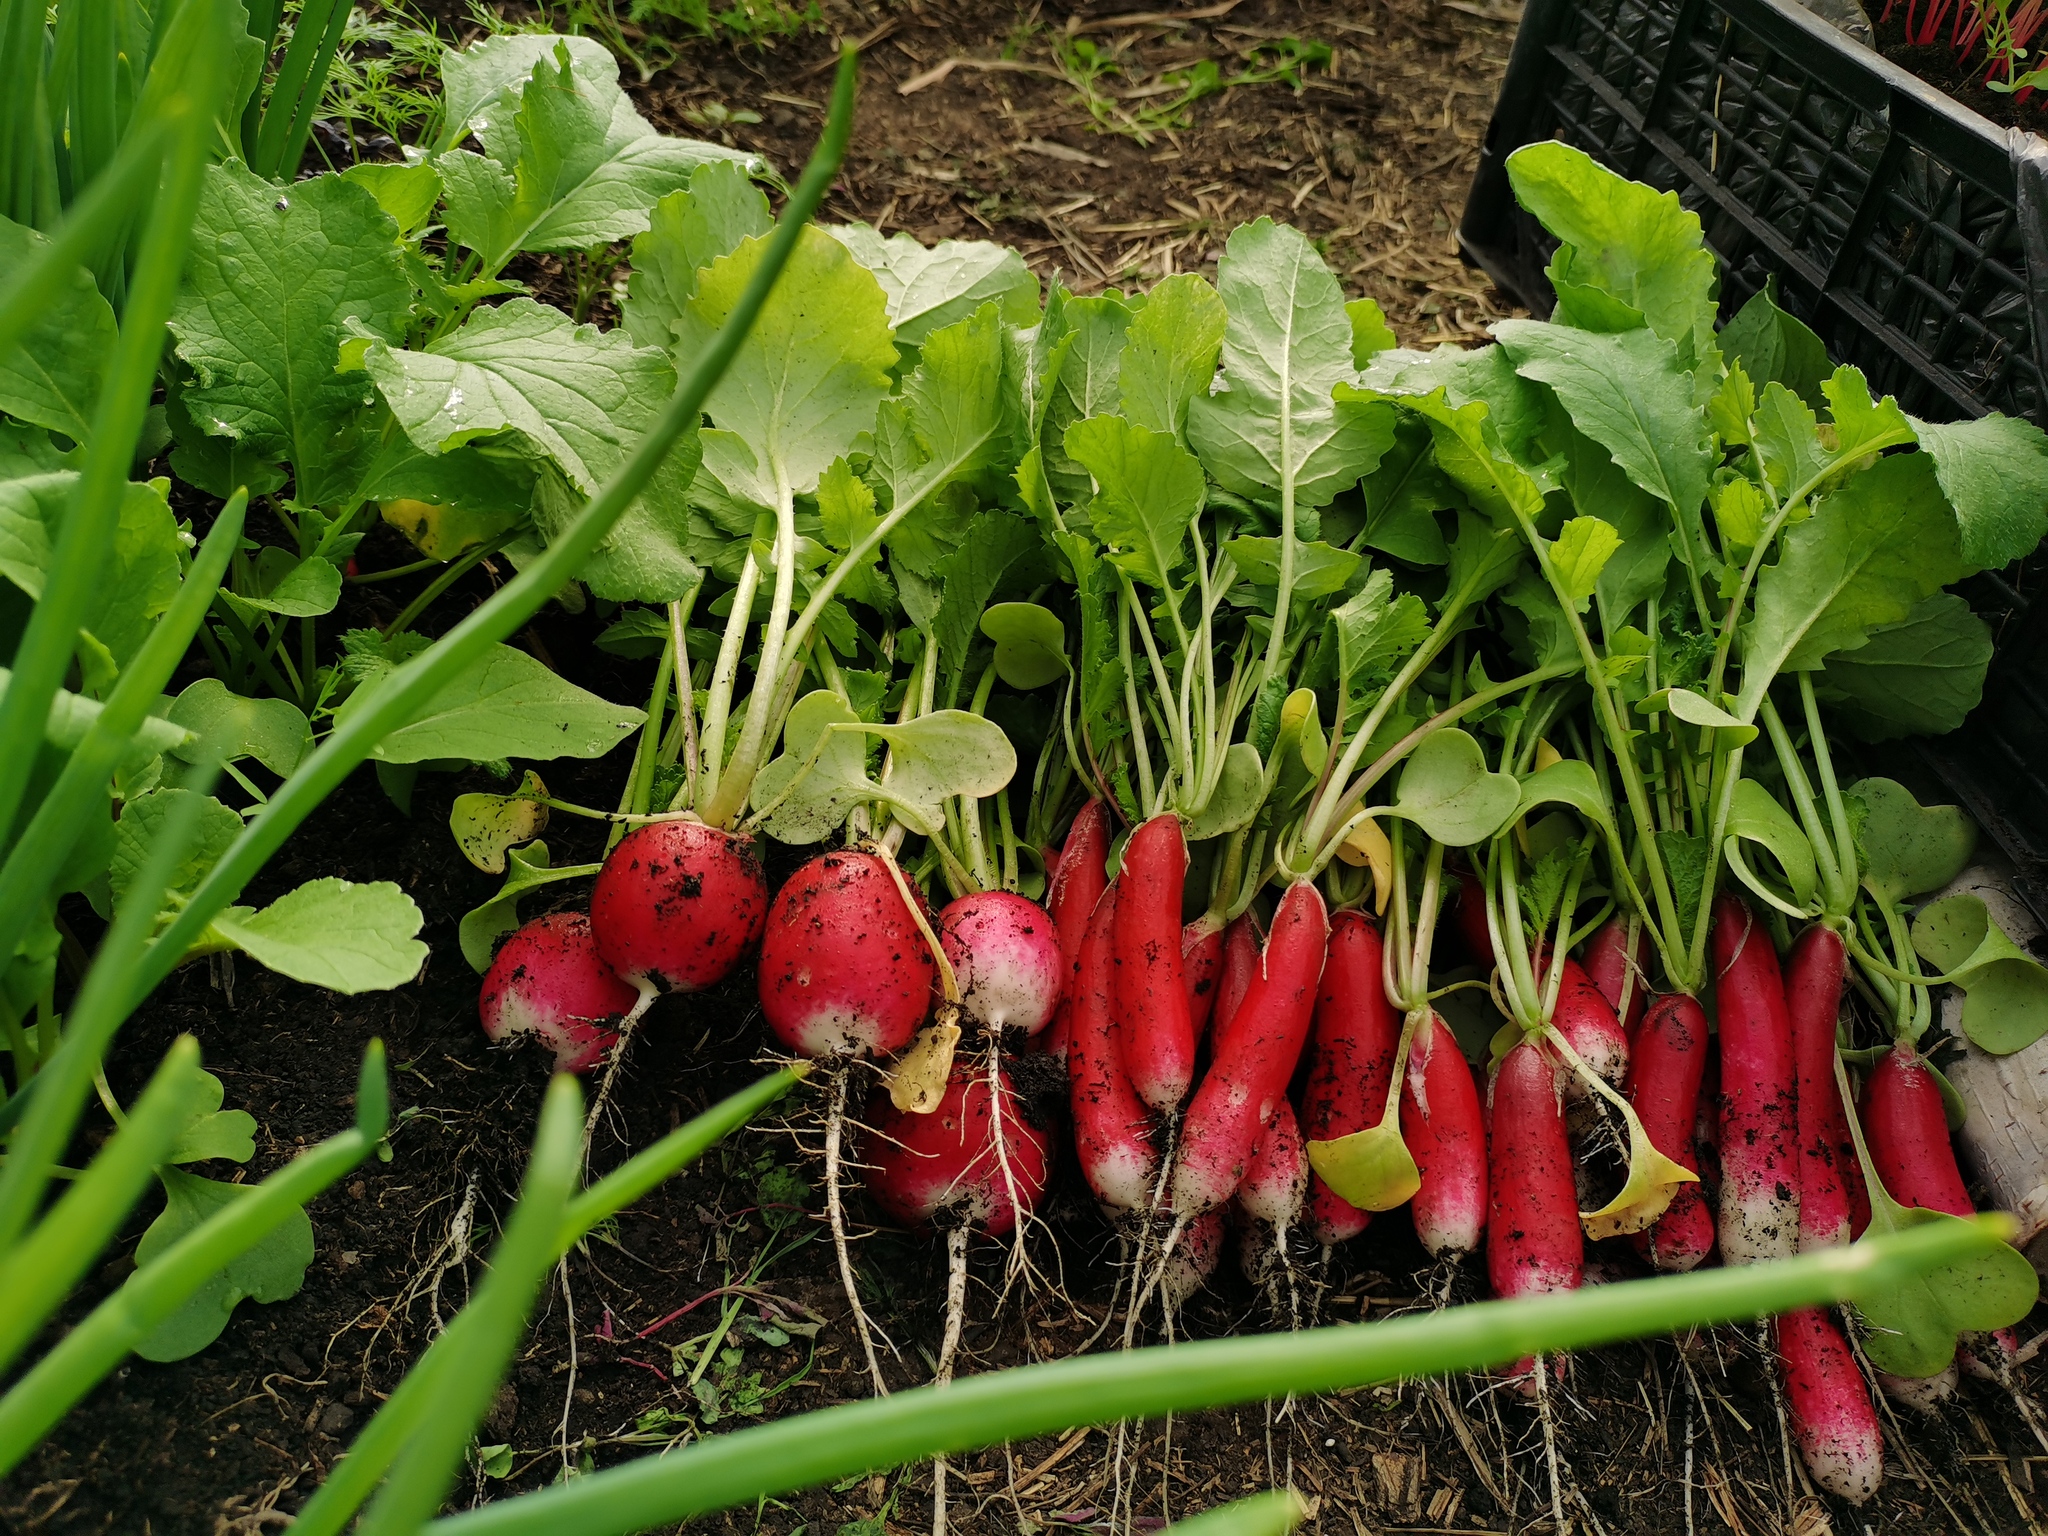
<point>1373,159</point>
<point>1963,79</point>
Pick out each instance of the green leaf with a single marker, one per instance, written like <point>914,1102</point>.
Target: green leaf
<point>142,822</point>
<point>1911,1330</point>
<point>1786,437</point>
<point>1147,491</point>
<point>407,192</point>
<point>1622,239</point>
<point>1862,425</point>
<point>1568,781</point>
<point>483,926</point>
<point>483,82</point>
<point>485,827</point>
<point>930,288</point>
<point>1090,383</point>
<point>1376,631</point>
<point>571,166</point>
<point>1867,556</point>
<point>2005,1005</point>
<point>1370,333</point>
<point>1994,472</point>
<point>1469,451</point>
<point>137,575</point>
<point>1240,792</point>
<point>1754,816</point>
<point>271,1271</point>
<point>1580,553</point>
<point>686,232</point>
<point>1319,569</point>
<point>1031,644</point>
<point>1905,848</point>
<point>1740,508</point>
<point>52,375</point>
<point>1170,353</point>
<point>212,1131</point>
<point>294,588</point>
<point>1403,496</point>
<point>576,399</point>
<point>1447,790</point>
<point>949,752</point>
<point>1919,677</point>
<point>971,575</point>
<point>806,794</point>
<point>1689,707</point>
<point>1632,395</point>
<point>332,934</point>
<point>1274,429</point>
<point>1771,346</point>
<point>226,728</point>
<point>505,705</point>
<point>278,277</point>
<point>846,514</point>
<point>1686,860</point>
<point>449,502</point>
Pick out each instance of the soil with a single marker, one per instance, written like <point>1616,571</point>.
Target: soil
<point>1372,158</point>
<point>1937,64</point>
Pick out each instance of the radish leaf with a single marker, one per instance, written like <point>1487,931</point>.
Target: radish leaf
<point>1580,553</point>
<point>1031,644</point>
<point>504,705</point>
<point>1994,472</point>
<point>1912,1328</point>
<point>2005,1007</point>
<point>1240,792</point>
<point>686,232</point>
<point>1147,491</point>
<point>1319,569</point>
<point>52,375</point>
<point>270,1271</point>
<point>1755,817</point>
<point>1919,677</point>
<point>1089,384</point>
<point>142,822</point>
<point>226,728</point>
<point>1372,1169</point>
<point>487,826</point>
<point>1447,790</point>
<point>1906,848</point>
<point>1170,352</point>
<point>212,1131</point>
<point>483,926</point>
<point>932,287</point>
<point>332,934</point>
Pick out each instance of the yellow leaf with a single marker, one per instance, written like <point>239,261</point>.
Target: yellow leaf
<point>439,531</point>
<point>1546,755</point>
<point>917,1081</point>
<point>1373,1168</point>
<point>1366,847</point>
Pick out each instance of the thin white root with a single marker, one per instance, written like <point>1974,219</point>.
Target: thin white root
<point>956,1316</point>
<point>835,1127</point>
<point>1155,1275</point>
<point>627,1026</point>
<point>1543,1417</point>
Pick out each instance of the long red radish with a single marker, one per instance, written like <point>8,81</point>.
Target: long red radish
<point>1242,943</point>
<point>1906,1129</point>
<point>1006,957</point>
<point>1759,1216</point>
<point>974,1161</point>
<point>1350,1056</point>
<point>845,970</point>
<point>1468,914</point>
<point>1152,999</point>
<point>1665,1071</point>
<point>1270,1201</point>
<point>1443,1126</point>
<point>1833,1422</point>
<point>1075,885</point>
<point>1201,965</point>
<point>1111,1124</point>
<point>1193,1260</point>
<point>1617,970</point>
<point>1247,1082</point>
<point>677,904</point>
<point>548,981</point>
<point>1534,1244</point>
<point>1586,1020</point>
<point>1827,1157</point>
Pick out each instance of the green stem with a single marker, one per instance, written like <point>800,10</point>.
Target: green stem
<point>459,567</point>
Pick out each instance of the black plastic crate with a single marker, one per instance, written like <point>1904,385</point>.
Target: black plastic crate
<point>1898,224</point>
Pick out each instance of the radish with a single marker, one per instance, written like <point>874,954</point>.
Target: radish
<point>1151,995</point>
<point>1074,884</point>
<point>845,970</point>
<point>1442,1124</point>
<point>1664,1087</point>
<point>677,904</point>
<point>1906,1129</point>
<point>963,1164</point>
<point>1468,914</point>
<point>1534,1244</point>
<point>1110,1123</point>
<point>1759,1216</point>
<point>1247,1082</point>
<point>1827,1158</point>
<point>1615,966</point>
<point>1193,1259</point>
<point>1201,965</point>
<point>1269,1202</point>
<point>1006,956</point>
<point>549,982</point>
<point>1351,1056</point>
<point>1586,1020</point>
<point>1833,1422</point>
<point>1923,1394</point>
<point>1242,942</point>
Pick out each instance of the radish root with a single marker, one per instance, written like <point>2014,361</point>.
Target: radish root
<point>627,1026</point>
<point>835,1128</point>
<point>956,1315</point>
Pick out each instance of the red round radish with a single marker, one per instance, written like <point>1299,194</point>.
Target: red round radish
<point>844,969</point>
<point>1618,972</point>
<point>1441,1123</point>
<point>1586,1020</point>
<point>963,1164</point>
<point>549,982</point>
<point>1073,885</point>
<point>1193,1260</point>
<point>1243,941</point>
<point>1833,1422</point>
<point>1759,1216</point>
<point>1247,1082</point>
<point>1533,1243</point>
<point>1111,1126</point>
<point>677,903</point>
<point>1827,1157</point>
<point>1201,965</point>
<point>1151,992</point>
<point>1006,957</point>
<point>1906,1129</point>
<point>1350,1058</point>
<point>1664,1086</point>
